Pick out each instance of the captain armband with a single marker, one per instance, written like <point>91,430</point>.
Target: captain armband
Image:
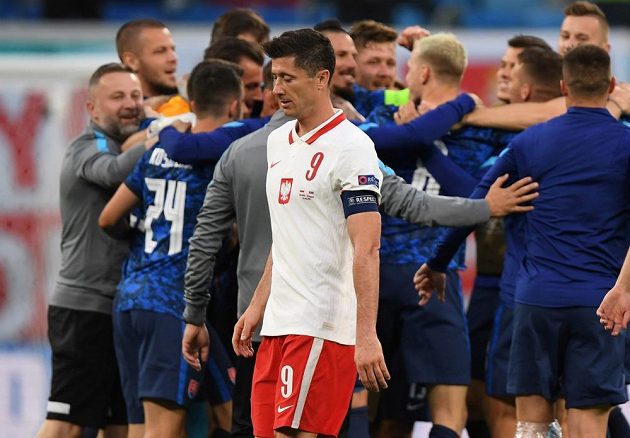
<point>358,201</point>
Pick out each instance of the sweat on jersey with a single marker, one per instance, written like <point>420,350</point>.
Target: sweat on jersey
<point>171,195</point>
<point>92,169</point>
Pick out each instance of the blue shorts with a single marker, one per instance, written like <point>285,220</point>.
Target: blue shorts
<point>219,372</point>
<point>433,339</point>
<point>554,347</point>
<point>499,352</point>
<point>149,353</point>
<point>480,317</point>
<point>402,401</point>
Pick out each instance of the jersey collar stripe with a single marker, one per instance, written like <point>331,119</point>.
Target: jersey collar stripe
<point>321,131</point>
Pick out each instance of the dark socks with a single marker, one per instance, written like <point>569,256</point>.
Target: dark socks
<point>220,433</point>
<point>617,424</point>
<point>439,431</point>
<point>477,429</point>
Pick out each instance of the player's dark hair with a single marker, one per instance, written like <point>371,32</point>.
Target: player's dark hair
<point>234,49</point>
<point>370,31</point>
<point>127,35</point>
<point>312,50</point>
<point>543,67</point>
<point>240,21</point>
<point>586,71</point>
<point>105,69</point>
<point>212,85</point>
<point>525,41</point>
<point>267,77</point>
<point>330,25</point>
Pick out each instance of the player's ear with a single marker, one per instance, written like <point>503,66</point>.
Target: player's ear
<point>563,87</point>
<point>90,108</point>
<point>526,92</point>
<point>425,73</point>
<point>323,79</point>
<point>131,60</point>
<point>193,107</point>
<point>234,109</point>
<point>613,84</point>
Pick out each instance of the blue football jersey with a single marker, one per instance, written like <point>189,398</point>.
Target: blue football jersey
<point>371,104</point>
<point>469,148</point>
<point>171,196</point>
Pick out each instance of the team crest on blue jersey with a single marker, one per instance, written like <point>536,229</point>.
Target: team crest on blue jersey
<point>368,180</point>
<point>284,195</point>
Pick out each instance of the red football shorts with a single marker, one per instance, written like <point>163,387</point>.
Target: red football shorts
<point>303,383</point>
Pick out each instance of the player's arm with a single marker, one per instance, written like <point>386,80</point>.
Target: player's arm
<point>101,167</point>
<point>252,317</point>
<point>192,148</point>
<point>517,116</point>
<point>430,275</point>
<point>116,211</point>
<point>214,222</point>
<point>416,206</point>
<point>614,312</point>
<point>135,139</point>
<point>420,133</point>
<point>364,231</point>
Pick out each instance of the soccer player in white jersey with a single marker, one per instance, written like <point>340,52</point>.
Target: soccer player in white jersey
<point>319,291</point>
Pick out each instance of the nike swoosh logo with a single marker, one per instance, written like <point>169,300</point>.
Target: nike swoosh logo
<point>281,410</point>
<point>273,164</point>
<point>414,406</point>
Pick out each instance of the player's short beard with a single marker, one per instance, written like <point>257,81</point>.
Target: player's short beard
<point>119,131</point>
<point>345,93</point>
<point>164,90</point>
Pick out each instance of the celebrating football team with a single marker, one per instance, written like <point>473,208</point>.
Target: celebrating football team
<point>271,245</point>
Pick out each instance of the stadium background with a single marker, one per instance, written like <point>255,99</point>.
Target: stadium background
<point>44,66</point>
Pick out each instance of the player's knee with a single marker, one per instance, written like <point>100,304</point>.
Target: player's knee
<point>58,429</point>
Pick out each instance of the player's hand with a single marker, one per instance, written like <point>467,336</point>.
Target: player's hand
<point>406,113</point>
<point>133,140</point>
<point>426,280</point>
<point>196,345</point>
<point>368,356</point>
<point>621,97</point>
<point>150,142</point>
<point>410,35</point>
<point>614,311</point>
<point>504,201</point>
<point>243,331</point>
<point>478,102</point>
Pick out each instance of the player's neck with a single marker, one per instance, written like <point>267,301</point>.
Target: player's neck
<point>586,102</point>
<point>438,94</point>
<point>208,124</point>
<point>320,112</point>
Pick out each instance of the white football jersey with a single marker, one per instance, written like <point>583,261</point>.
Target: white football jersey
<point>312,289</point>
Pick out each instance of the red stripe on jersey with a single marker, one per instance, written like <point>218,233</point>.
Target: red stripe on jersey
<point>323,130</point>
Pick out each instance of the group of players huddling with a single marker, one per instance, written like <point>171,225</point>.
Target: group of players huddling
<point>324,207</point>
